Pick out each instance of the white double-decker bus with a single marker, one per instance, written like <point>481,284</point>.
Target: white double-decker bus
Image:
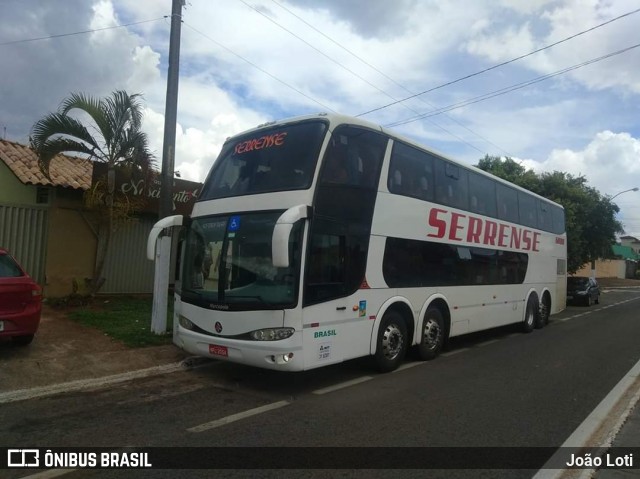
<point>325,238</point>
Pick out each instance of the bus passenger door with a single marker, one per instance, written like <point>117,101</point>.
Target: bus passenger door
<point>335,326</point>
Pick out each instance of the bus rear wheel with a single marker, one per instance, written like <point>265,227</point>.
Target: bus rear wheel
<point>391,345</point>
<point>531,314</point>
<point>545,311</point>
<point>432,338</point>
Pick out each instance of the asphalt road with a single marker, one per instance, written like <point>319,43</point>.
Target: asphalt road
<point>496,389</point>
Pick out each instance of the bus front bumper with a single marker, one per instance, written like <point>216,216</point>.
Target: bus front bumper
<point>283,355</point>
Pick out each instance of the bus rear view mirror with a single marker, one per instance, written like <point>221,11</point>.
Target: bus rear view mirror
<point>168,222</point>
<point>281,232</point>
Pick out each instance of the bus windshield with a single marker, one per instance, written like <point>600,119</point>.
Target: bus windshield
<point>227,263</point>
<point>274,159</point>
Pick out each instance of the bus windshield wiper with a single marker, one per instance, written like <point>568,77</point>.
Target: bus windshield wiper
<point>233,296</point>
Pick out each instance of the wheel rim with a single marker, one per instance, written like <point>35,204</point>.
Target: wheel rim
<point>392,342</point>
<point>432,333</point>
<point>530,317</point>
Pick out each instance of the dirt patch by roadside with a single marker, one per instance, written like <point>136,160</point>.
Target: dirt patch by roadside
<point>64,350</point>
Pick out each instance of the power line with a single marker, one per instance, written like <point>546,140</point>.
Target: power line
<point>333,60</point>
<point>392,81</point>
<point>501,64</point>
<point>509,89</point>
<point>258,68</point>
<point>60,35</point>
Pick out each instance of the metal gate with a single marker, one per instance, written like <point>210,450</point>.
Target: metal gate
<point>126,267</point>
<point>23,231</point>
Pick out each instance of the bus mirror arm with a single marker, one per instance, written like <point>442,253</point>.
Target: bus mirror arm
<point>169,221</point>
<point>281,232</point>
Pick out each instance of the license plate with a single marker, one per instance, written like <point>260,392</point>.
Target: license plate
<point>1,325</point>
<point>218,350</point>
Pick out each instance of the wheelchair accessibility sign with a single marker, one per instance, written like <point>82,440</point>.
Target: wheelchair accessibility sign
<point>234,223</point>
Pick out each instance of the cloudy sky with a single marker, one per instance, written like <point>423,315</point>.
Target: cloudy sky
<point>572,107</point>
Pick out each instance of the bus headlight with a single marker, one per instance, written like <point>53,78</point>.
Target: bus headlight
<point>185,323</point>
<point>271,334</point>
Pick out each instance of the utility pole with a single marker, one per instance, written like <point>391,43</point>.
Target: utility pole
<point>171,111</point>
<point>163,244</point>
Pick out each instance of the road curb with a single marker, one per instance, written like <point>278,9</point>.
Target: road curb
<point>84,384</point>
<point>600,428</point>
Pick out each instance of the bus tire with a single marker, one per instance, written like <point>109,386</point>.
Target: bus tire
<point>545,311</point>
<point>391,345</point>
<point>432,337</point>
<point>531,315</point>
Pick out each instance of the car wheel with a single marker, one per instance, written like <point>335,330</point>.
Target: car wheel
<point>432,338</point>
<point>392,342</point>
<point>22,340</point>
<point>530,315</point>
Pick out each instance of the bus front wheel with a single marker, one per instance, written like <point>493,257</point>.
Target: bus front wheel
<point>391,346</point>
<point>432,339</point>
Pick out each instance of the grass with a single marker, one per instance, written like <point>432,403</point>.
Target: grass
<point>126,319</point>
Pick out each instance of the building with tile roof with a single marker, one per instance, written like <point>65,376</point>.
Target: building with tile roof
<point>65,171</point>
<point>44,223</point>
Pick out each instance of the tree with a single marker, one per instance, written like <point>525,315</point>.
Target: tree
<point>509,170</point>
<point>114,138</point>
<point>589,216</point>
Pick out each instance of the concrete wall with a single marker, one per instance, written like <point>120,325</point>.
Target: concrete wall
<point>71,248</point>
<point>616,268</point>
<point>13,191</point>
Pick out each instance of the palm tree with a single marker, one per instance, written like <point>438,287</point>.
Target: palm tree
<point>114,138</point>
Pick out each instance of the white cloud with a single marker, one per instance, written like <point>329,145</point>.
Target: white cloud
<point>561,20</point>
<point>611,163</point>
<point>602,161</point>
<point>146,69</point>
<point>509,43</point>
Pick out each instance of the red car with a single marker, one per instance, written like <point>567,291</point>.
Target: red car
<point>20,301</point>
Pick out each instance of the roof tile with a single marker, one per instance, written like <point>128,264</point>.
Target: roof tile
<point>66,171</point>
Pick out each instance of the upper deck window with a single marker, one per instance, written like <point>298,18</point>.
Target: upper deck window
<point>353,157</point>
<point>411,172</point>
<point>280,158</point>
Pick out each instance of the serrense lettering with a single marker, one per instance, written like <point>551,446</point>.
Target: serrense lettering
<point>474,229</point>
<point>267,141</point>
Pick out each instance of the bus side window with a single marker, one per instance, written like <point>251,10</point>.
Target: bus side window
<point>327,259</point>
<point>482,195</point>
<point>557,216</point>
<point>545,221</point>
<point>424,189</point>
<point>336,171</point>
<point>396,181</point>
<point>411,172</point>
<point>527,208</point>
<point>507,203</point>
<point>452,185</point>
<point>353,157</point>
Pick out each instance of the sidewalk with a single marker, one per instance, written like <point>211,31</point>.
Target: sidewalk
<point>629,436</point>
<point>65,351</point>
